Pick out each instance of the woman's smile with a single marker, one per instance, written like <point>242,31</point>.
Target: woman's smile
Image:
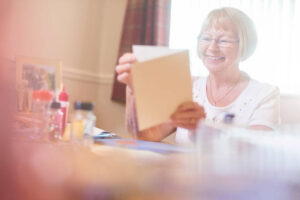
<point>211,58</point>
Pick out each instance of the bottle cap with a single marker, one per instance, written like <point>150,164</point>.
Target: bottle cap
<point>55,105</point>
<point>63,96</point>
<point>83,105</point>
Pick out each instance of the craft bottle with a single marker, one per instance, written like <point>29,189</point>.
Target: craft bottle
<point>55,122</point>
<point>64,102</point>
<point>83,120</point>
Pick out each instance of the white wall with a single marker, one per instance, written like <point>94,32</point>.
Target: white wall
<point>84,35</point>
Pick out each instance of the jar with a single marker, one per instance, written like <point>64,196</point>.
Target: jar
<point>41,104</point>
<point>55,122</point>
<point>83,121</point>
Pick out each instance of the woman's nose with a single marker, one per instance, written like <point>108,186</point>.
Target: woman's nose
<point>213,46</point>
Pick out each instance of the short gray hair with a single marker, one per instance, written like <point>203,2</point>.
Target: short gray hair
<point>244,26</point>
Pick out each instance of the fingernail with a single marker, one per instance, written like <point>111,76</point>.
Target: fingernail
<point>133,57</point>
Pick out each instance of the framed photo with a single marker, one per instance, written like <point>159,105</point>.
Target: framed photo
<point>36,74</point>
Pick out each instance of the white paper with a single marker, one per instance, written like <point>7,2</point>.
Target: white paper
<point>144,52</point>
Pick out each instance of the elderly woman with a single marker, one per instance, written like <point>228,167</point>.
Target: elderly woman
<point>227,37</point>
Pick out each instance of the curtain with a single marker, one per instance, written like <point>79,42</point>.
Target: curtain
<point>276,59</point>
<point>146,22</point>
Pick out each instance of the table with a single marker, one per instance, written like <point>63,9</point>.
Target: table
<point>221,170</point>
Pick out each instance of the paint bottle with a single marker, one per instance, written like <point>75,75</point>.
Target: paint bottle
<point>64,102</point>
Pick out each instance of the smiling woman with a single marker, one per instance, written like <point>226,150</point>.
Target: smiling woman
<point>278,30</point>
<point>227,37</point>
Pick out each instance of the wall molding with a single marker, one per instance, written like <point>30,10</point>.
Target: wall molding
<point>82,75</point>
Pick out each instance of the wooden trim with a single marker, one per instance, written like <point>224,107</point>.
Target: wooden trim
<point>82,75</point>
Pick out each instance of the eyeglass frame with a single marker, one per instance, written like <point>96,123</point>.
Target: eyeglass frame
<point>227,43</point>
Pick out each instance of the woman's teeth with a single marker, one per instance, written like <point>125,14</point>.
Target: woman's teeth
<point>215,57</point>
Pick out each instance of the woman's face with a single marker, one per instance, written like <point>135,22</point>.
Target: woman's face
<point>219,49</point>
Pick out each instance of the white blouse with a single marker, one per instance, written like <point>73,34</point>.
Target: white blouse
<point>258,104</point>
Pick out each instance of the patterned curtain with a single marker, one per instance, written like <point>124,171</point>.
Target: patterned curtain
<point>147,22</point>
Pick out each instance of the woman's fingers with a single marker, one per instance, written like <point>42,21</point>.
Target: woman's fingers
<point>187,121</point>
<point>127,58</point>
<point>189,106</point>
<point>124,78</point>
<point>189,109</point>
<point>188,115</point>
<point>123,68</point>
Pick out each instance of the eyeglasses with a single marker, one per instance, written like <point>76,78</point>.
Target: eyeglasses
<point>220,42</point>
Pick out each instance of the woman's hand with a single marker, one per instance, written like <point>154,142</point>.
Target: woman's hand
<point>187,115</point>
<point>123,68</point>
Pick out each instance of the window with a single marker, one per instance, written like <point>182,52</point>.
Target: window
<point>277,56</point>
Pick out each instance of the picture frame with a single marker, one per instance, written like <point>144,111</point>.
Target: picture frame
<point>36,74</point>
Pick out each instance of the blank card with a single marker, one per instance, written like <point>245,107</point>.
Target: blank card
<point>160,85</point>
